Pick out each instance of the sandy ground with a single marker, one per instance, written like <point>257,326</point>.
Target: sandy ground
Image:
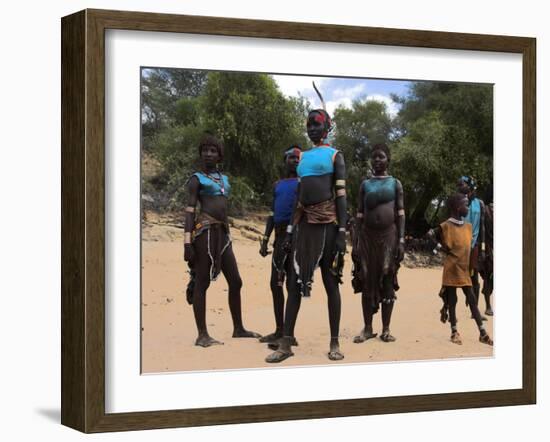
<point>168,327</point>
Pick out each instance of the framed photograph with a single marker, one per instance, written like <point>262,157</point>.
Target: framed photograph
<point>190,151</point>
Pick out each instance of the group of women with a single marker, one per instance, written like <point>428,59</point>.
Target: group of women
<point>310,222</point>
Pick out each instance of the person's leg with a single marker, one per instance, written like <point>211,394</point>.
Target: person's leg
<point>470,296</point>
<point>368,313</point>
<point>330,283</point>
<point>451,299</point>
<point>388,299</point>
<point>294,299</point>
<point>202,282</point>
<point>234,282</point>
<point>475,291</point>
<point>487,290</point>
<point>278,306</point>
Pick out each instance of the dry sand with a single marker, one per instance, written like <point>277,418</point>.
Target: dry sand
<point>169,332</point>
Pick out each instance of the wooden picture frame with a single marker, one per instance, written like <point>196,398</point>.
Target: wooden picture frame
<point>83,220</point>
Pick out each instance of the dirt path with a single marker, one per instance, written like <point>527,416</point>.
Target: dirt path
<point>169,328</point>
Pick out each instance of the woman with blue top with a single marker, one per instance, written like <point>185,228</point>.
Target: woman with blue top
<point>317,233</point>
<point>380,243</point>
<point>476,217</point>
<point>207,243</point>
<point>284,200</point>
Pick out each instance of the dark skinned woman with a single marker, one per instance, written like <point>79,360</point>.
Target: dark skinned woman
<point>380,243</point>
<point>284,200</point>
<point>207,241</point>
<point>317,233</point>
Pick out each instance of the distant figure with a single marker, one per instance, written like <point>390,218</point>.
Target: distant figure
<point>486,270</point>
<point>207,243</point>
<point>476,214</point>
<point>455,236</point>
<point>379,243</point>
<point>284,200</point>
<point>317,234</point>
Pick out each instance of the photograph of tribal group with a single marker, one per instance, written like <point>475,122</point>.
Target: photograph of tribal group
<point>291,220</point>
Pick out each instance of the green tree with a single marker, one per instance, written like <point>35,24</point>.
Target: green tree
<point>256,122</point>
<point>444,131</point>
<point>163,94</point>
<point>358,129</point>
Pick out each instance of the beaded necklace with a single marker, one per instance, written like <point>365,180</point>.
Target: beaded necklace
<point>218,181</point>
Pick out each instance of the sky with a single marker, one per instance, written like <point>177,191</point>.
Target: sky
<point>342,91</point>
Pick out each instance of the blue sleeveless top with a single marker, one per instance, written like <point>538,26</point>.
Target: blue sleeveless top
<point>210,187</point>
<point>474,218</point>
<point>284,196</point>
<point>317,161</point>
<point>378,191</point>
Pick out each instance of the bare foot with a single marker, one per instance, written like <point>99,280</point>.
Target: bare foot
<point>272,337</point>
<point>274,345</point>
<point>334,353</point>
<point>278,356</point>
<point>207,341</point>
<point>455,338</point>
<point>387,337</point>
<point>242,333</point>
<point>365,335</point>
<point>489,311</point>
<point>283,352</point>
<point>485,339</point>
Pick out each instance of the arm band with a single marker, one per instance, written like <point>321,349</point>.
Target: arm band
<point>190,209</point>
<point>187,238</point>
<point>289,228</point>
<point>401,240</point>
<point>401,212</point>
<point>340,183</point>
<point>482,246</point>
<point>340,192</point>
<point>359,215</point>
<point>342,229</point>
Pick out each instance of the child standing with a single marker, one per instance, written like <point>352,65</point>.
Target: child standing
<point>284,200</point>
<point>455,236</point>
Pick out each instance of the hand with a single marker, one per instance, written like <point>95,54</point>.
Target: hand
<point>287,243</point>
<point>340,246</point>
<point>400,252</point>
<point>263,248</point>
<point>189,253</point>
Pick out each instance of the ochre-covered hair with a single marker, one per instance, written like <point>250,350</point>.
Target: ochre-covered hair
<point>327,121</point>
<point>211,140</point>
